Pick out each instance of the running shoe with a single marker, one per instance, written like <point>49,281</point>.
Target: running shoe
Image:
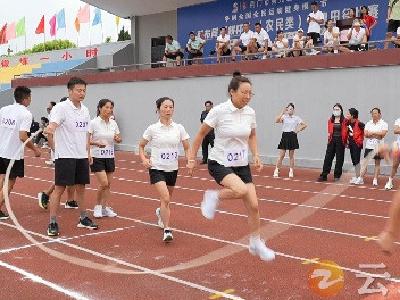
<point>97,211</point>
<point>43,199</point>
<point>359,181</point>
<point>389,184</point>
<point>276,173</point>
<point>209,204</point>
<point>259,248</point>
<point>353,180</point>
<point>375,182</point>
<point>52,230</point>
<point>159,220</point>
<point>87,223</point>
<point>109,212</point>
<point>3,215</point>
<point>168,235</point>
<point>291,173</point>
<point>72,204</point>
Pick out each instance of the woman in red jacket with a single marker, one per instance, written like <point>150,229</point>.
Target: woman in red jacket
<point>337,140</point>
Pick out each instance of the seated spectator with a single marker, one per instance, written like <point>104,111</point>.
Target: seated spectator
<point>260,41</point>
<point>195,48</point>
<point>331,37</point>
<point>243,42</point>
<point>396,40</point>
<point>301,42</point>
<point>44,122</point>
<point>34,127</point>
<point>173,50</point>
<point>223,46</point>
<point>281,44</point>
<point>357,37</point>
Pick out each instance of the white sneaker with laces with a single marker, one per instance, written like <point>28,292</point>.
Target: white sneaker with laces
<point>353,180</point>
<point>209,204</point>
<point>389,184</point>
<point>291,173</point>
<point>276,173</point>
<point>359,181</point>
<point>109,212</point>
<point>97,211</point>
<point>159,221</point>
<point>375,182</point>
<point>168,235</point>
<point>258,247</point>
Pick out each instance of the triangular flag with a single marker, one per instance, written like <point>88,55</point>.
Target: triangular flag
<point>3,34</point>
<point>77,25</point>
<point>40,27</point>
<point>20,29</point>
<point>61,19</point>
<point>11,31</point>
<point>84,14</point>
<point>117,19</point>
<point>53,25</point>
<point>97,16</point>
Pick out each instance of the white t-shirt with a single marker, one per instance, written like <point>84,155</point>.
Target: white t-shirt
<point>71,135</point>
<point>282,44</point>
<point>14,118</point>
<point>165,140</point>
<point>262,37</point>
<point>224,39</point>
<point>290,123</point>
<point>314,26</point>
<point>357,37</point>
<point>104,133</point>
<point>397,123</point>
<point>328,36</point>
<point>245,37</point>
<point>232,127</point>
<point>173,47</point>
<point>195,45</point>
<point>302,41</point>
<point>371,127</point>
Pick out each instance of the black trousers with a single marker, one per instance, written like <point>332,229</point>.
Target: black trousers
<point>208,140</point>
<point>334,148</point>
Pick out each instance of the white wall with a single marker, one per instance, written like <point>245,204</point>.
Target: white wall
<point>313,92</point>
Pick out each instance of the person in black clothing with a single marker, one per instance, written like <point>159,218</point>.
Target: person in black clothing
<point>355,143</point>
<point>209,138</point>
<point>337,140</point>
<point>34,127</point>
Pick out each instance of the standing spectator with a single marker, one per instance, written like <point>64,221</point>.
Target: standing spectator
<point>195,48</point>
<point>260,41</point>
<point>241,45</point>
<point>357,37</point>
<point>396,159</point>
<point>337,139</point>
<point>223,46</point>
<point>315,19</point>
<point>209,138</point>
<point>369,21</point>
<point>396,40</point>
<point>375,131</point>
<point>345,24</point>
<point>355,142</point>
<point>173,50</point>
<point>291,126</point>
<point>43,124</point>
<point>393,20</point>
<point>281,44</point>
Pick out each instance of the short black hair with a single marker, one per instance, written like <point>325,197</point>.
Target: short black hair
<point>169,37</point>
<point>223,27</point>
<point>353,112</point>
<point>326,23</point>
<point>190,33</point>
<point>208,102</point>
<point>21,92</point>
<point>161,100</point>
<point>246,23</point>
<point>63,99</point>
<point>44,119</point>
<point>377,109</point>
<point>279,31</point>
<point>257,24</point>
<point>314,3</point>
<point>53,103</point>
<point>74,81</point>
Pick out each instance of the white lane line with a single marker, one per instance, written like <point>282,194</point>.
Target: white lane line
<point>203,236</point>
<point>40,280</point>
<point>232,214</point>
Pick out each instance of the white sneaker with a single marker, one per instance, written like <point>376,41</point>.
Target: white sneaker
<point>209,204</point>
<point>353,180</point>
<point>159,221</point>
<point>359,181</point>
<point>389,184</point>
<point>97,211</point>
<point>375,182</point>
<point>49,162</point>
<point>276,173</point>
<point>291,174</point>
<point>108,212</point>
<point>168,235</point>
<point>259,248</point>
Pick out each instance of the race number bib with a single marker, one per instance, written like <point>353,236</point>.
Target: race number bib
<point>107,152</point>
<point>80,125</point>
<point>168,156</point>
<point>8,122</point>
<point>236,157</point>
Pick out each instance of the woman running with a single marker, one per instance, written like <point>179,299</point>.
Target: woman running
<point>165,137</point>
<point>104,133</point>
<point>234,123</point>
<point>292,125</point>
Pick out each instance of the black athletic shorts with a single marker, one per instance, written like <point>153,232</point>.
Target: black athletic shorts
<point>71,171</point>
<point>16,171</point>
<point>103,164</point>
<point>355,152</point>
<point>367,151</point>
<point>393,25</point>
<point>218,172</point>
<point>159,175</point>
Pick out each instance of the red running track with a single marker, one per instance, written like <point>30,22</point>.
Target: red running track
<point>301,220</point>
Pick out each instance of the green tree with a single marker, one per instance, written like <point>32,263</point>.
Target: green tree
<point>123,35</point>
<point>49,46</point>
